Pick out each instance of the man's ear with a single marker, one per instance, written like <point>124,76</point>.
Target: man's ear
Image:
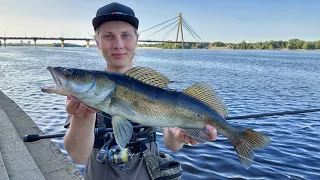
<point>137,40</point>
<point>97,42</point>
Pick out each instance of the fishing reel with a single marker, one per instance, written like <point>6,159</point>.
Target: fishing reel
<point>113,155</point>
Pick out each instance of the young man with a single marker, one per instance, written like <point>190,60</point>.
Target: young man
<point>116,37</point>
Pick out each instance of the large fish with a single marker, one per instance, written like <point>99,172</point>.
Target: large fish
<point>141,95</point>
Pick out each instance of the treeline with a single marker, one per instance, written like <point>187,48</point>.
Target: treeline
<point>292,44</point>
<point>65,45</point>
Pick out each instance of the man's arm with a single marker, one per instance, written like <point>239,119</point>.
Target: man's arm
<point>79,138</point>
<point>174,139</point>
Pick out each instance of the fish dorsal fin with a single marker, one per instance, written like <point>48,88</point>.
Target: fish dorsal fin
<point>148,76</point>
<point>207,95</point>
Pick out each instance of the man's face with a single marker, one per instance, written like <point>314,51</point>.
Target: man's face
<point>117,41</point>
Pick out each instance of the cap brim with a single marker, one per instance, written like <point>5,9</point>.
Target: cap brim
<point>97,21</point>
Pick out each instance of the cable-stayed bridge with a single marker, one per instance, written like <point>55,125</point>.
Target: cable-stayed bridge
<point>155,34</point>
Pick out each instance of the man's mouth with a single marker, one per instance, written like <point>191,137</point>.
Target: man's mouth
<point>118,55</point>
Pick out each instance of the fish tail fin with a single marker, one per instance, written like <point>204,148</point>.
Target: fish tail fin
<point>248,141</point>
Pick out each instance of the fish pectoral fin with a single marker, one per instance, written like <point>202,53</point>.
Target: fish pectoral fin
<point>148,76</point>
<point>207,95</point>
<point>100,96</point>
<point>122,130</point>
<point>201,135</point>
<point>122,106</point>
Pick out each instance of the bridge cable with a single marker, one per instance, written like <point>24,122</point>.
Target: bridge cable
<point>192,29</point>
<point>189,27</point>
<point>157,25</point>
<point>170,31</point>
<point>160,30</point>
<point>189,30</point>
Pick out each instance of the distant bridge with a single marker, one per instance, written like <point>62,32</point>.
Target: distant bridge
<point>62,39</point>
<point>180,22</point>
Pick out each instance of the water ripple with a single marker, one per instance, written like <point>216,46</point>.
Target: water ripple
<point>248,81</point>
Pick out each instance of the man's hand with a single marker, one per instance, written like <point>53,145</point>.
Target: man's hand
<point>78,109</point>
<point>175,139</point>
<point>180,136</point>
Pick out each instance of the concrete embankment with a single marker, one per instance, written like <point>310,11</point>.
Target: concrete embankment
<point>32,160</point>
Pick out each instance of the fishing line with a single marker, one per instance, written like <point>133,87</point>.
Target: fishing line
<point>272,114</point>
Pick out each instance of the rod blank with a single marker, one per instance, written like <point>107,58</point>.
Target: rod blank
<point>272,114</point>
<point>102,131</point>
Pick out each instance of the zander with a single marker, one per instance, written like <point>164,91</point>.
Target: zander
<point>141,95</point>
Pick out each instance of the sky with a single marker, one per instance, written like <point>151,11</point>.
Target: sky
<point>227,21</point>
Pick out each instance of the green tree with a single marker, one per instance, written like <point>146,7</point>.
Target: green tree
<point>309,45</point>
<point>317,44</point>
<point>218,44</point>
<point>293,44</point>
<point>263,46</point>
<point>284,44</point>
<point>271,46</point>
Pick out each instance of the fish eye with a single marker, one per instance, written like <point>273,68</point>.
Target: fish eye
<point>67,72</point>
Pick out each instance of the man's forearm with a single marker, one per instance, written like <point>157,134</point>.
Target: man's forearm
<point>79,139</point>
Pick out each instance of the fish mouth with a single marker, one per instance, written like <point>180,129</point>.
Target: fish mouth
<point>55,77</point>
<point>57,89</point>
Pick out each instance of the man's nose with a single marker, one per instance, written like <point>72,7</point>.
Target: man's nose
<point>118,43</point>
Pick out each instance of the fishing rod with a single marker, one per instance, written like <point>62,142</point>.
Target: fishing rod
<point>102,131</point>
<point>97,131</point>
<point>282,113</point>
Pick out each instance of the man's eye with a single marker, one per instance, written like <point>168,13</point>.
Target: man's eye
<point>126,36</point>
<point>107,36</point>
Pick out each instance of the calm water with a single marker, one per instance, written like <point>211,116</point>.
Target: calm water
<point>248,81</point>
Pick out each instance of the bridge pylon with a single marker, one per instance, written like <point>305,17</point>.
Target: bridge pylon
<point>62,43</point>
<point>87,43</point>
<point>179,28</point>
<point>35,42</point>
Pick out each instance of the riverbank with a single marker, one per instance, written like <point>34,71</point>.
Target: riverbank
<point>148,48</point>
<point>33,160</point>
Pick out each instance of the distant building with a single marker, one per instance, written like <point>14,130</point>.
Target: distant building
<point>29,43</point>
<point>21,42</point>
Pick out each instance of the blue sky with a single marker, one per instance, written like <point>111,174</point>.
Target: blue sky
<point>226,21</point>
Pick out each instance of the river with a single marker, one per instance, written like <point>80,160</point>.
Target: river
<point>248,81</point>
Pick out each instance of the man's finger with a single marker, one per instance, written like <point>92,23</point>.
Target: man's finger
<point>186,139</point>
<point>82,107</point>
<point>89,110</point>
<point>81,110</point>
<point>72,106</point>
<point>193,141</point>
<point>212,132</point>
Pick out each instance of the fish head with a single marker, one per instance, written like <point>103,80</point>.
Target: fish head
<point>85,85</point>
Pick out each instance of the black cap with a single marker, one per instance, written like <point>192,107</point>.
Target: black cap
<point>115,12</point>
